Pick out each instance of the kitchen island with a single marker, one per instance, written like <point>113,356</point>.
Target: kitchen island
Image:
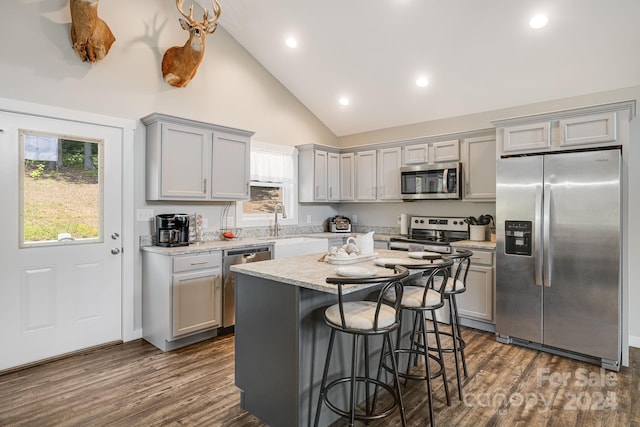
<point>281,338</point>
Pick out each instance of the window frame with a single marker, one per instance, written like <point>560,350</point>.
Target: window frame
<point>289,195</point>
<point>22,243</point>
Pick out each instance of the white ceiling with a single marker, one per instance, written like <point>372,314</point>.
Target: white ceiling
<point>478,55</point>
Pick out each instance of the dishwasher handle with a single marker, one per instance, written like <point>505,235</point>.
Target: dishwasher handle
<point>247,251</point>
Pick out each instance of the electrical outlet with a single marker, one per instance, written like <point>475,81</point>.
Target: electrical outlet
<point>144,214</point>
<point>308,219</point>
<point>355,218</point>
<point>205,223</point>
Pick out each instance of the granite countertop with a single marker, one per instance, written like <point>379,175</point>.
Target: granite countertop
<point>308,272</point>
<point>488,245</point>
<point>243,242</point>
<point>215,245</point>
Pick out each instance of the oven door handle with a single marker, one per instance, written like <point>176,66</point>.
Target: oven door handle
<point>445,181</point>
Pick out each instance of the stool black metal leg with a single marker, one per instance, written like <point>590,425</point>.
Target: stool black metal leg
<point>427,365</point>
<point>325,373</point>
<point>454,338</point>
<point>440,356</point>
<point>354,369</point>
<point>396,379</point>
<point>368,407</point>
<point>459,333</point>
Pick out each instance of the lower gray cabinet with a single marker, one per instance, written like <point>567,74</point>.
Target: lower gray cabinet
<point>181,298</point>
<point>477,301</point>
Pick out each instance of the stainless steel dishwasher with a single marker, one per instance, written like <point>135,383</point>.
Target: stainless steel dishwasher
<point>232,257</point>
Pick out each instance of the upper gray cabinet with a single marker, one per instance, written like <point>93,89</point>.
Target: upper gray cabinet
<point>479,168</point>
<point>441,151</point>
<point>319,174</point>
<point>570,129</point>
<point>191,160</point>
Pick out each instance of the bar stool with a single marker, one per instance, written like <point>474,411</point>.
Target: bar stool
<point>419,299</point>
<point>457,285</point>
<point>363,319</point>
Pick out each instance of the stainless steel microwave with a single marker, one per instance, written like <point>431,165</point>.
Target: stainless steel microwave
<point>431,182</point>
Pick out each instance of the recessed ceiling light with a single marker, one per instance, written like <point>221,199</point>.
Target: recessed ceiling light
<point>538,21</point>
<point>291,42</point>
<point>344,101</point>
<point>422,81</point>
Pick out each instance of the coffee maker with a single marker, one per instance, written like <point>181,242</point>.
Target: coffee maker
<point>172,230</point>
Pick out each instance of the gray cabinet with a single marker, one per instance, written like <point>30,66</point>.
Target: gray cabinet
<point>333,177</point>
<point>366,172</point>
<point>190,160</point>
<point>388,170</point>
<point>476,305</point>
<point>319,174</point>
<point>347,176</point>
<point>479,168</point>
<point>181,298</point>
<point>434,152</point>
<point>596,126</point>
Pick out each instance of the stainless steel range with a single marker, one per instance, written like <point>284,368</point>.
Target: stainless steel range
<point>433,234</point>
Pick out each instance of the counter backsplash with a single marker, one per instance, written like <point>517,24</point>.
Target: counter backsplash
<point>291,230</point>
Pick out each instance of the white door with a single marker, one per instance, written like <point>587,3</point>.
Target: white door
<point>63,293</point>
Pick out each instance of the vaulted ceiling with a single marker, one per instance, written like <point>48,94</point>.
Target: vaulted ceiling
<point>476,55</point>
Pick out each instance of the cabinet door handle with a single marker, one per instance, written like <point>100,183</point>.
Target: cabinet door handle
<point>204,182</point>
<point>199,263</point>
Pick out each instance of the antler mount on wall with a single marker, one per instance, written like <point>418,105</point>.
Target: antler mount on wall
<point>180,63</point>
<point>90,35</point>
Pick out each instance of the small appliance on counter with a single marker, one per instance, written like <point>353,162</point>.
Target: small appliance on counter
<point>339,224</point>
<point>172,230</point>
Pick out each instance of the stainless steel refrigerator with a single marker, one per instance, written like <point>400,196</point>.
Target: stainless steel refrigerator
<point>558,276</point>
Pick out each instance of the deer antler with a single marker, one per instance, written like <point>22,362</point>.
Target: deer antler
<point>216,11</point>
<point>180,63</point>
<point>179,4</point>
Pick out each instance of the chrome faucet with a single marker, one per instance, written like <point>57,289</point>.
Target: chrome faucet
<point>275,212</point>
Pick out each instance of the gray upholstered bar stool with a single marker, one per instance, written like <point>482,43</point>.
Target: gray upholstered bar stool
<point>457,285</point>
<point>363,319</point>
<point>420,299</point>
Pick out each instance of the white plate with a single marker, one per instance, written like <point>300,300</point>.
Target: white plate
<point>350,259</point>
<point>419,255</point>
<point>351,271</point>
<point>384,261</point>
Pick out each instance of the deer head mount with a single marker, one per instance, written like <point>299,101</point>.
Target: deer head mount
<point>90,35</point>
<point>180,63</point>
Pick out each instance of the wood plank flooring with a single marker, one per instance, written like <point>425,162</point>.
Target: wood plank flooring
<point>135,384</point>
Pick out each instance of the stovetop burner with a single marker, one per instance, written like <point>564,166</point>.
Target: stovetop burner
<point>434,232</point>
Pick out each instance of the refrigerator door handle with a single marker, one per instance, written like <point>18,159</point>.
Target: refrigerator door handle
<point>537,236</point>
<point>547,233</point>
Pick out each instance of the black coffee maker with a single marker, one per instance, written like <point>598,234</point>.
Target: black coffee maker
<point>172,230</point>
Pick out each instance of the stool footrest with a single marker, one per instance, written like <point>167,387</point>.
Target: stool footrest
<point>461,343</point>
<point>369,415</point>
<point>417,353</point>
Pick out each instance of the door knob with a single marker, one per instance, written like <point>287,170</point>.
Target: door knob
<point>115,251</point>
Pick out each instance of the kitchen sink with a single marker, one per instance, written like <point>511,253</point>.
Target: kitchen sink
<point>284,247</point>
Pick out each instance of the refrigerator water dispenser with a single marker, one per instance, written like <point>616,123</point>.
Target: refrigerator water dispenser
<point>517,236</point>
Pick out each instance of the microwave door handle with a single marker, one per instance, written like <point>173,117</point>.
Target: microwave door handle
<point>445,181</point>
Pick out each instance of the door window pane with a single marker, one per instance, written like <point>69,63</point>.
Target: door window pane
<point>61,183</point>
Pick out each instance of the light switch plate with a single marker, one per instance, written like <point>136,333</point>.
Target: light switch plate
<point>144,214</point>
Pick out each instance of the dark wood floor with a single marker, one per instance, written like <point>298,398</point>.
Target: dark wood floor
<point>135,384</point>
